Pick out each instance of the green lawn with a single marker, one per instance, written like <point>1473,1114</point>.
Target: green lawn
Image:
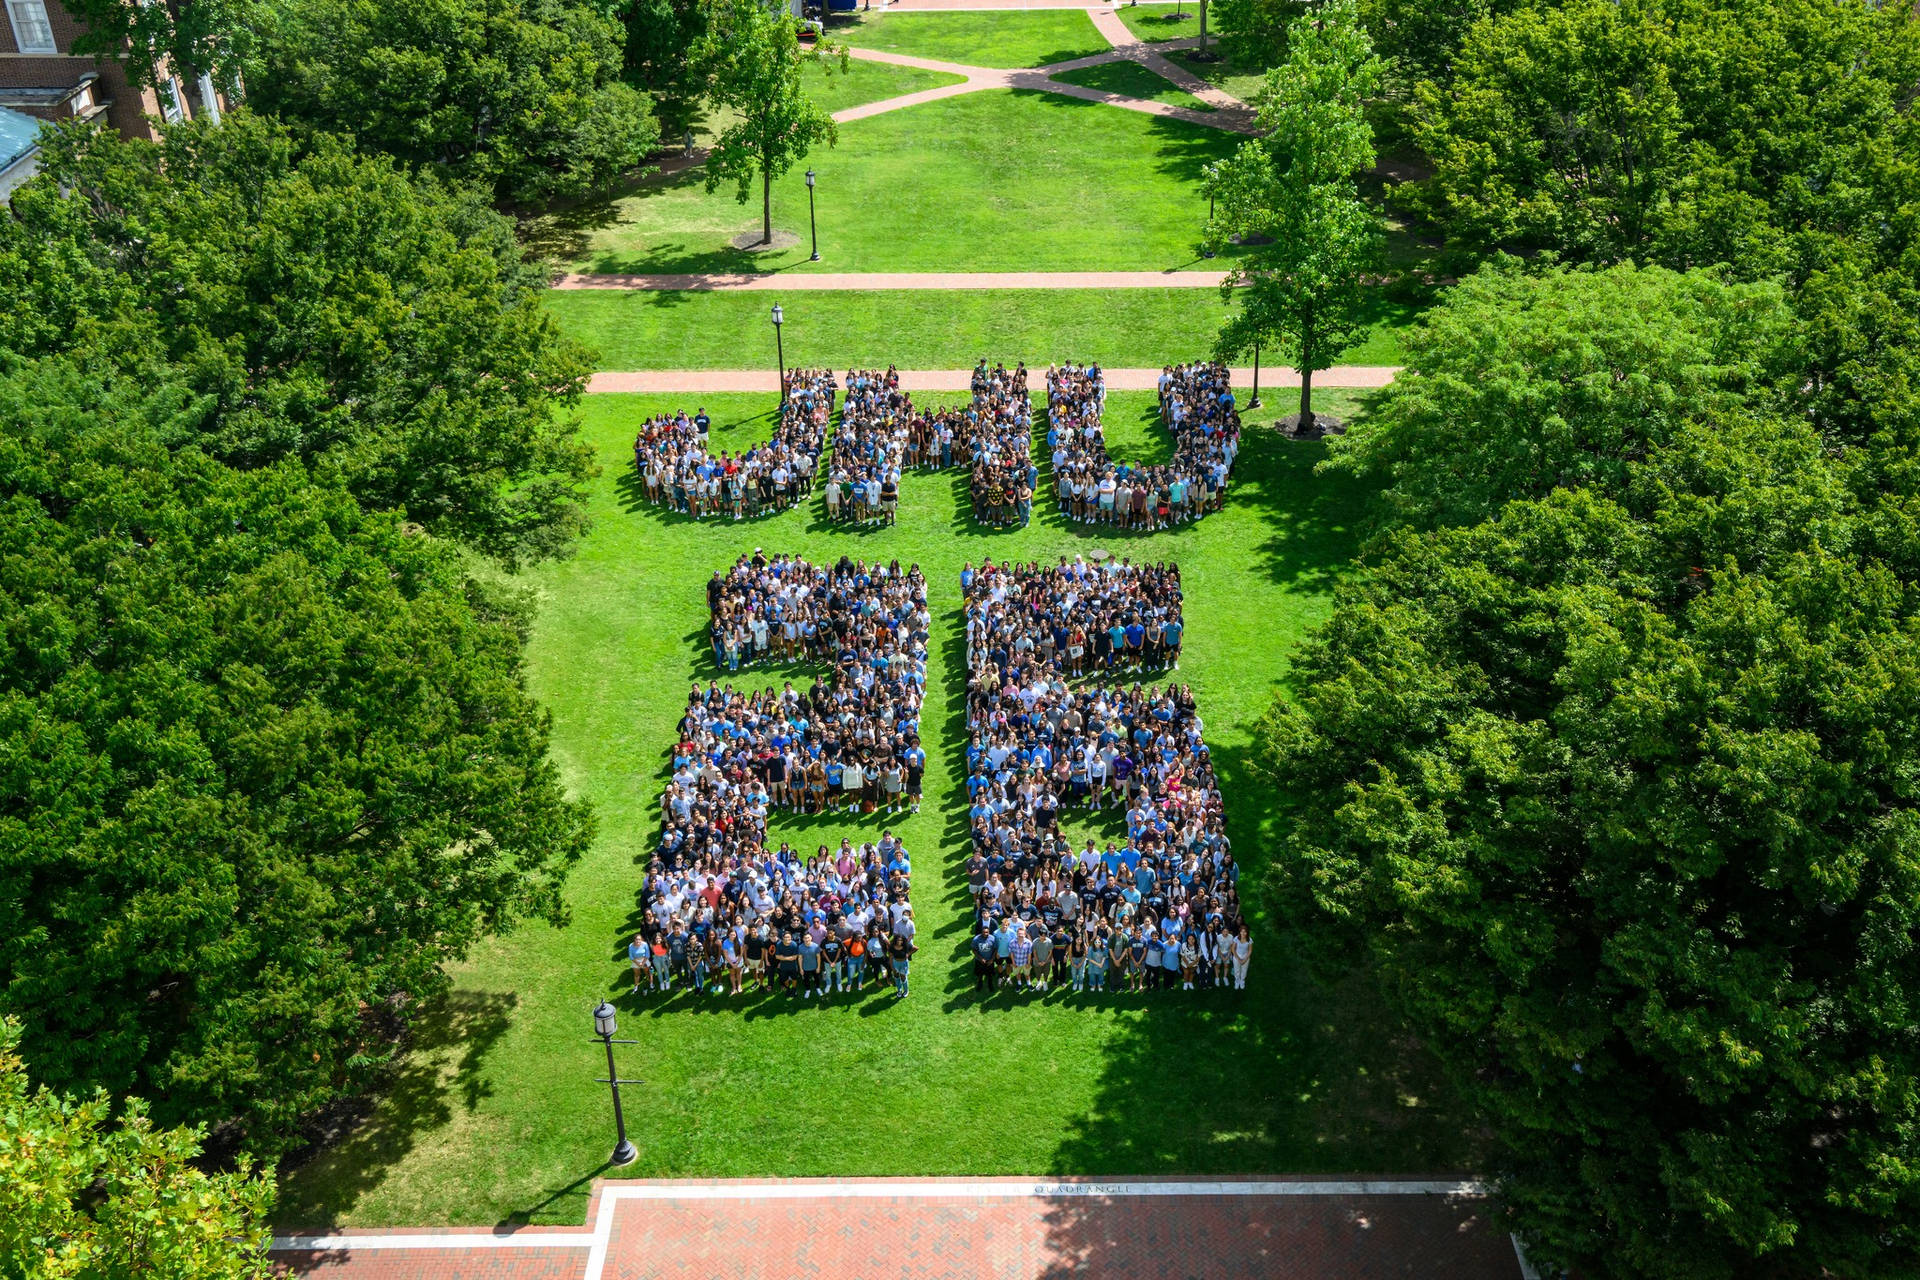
<point>1223,74</point>
<point>496,1116</point>
<point>940,329</point>
<point>1170,21</point>
<point>984,38</point>
<point>863,82</point>
<point>1135,81</point>
<point>1003,180</point>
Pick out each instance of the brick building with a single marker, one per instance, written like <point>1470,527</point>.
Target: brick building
<point>41,78</point>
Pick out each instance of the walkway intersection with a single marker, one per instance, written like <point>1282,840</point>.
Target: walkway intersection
<point>1228,112</point>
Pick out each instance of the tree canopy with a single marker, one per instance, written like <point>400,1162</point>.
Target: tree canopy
<point>1615,794</point>
<point>268,762</point>
<point>320,305</point>
<point>81,1200</point>
<point>1684,132</point>
<point>524,97</point>
<point>1524,381</point>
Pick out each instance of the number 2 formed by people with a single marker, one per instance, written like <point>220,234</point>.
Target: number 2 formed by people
<point>849,744</point>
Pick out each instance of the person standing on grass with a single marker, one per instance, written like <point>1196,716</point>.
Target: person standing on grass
<point>1242,954</point>
<point>637,957</point>
<point>900,951</point>
<point>1041,958</point>
<point>831,949</point>
<point>809,965</point>
<point>984,955</point>
<point>1021,957</point>
<point>730,955</point>
<point>786,956</point>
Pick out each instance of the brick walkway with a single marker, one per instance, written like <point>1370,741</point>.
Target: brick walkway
<point>793,282</point>
<point>967,1228</point>
<point>1355,377</point>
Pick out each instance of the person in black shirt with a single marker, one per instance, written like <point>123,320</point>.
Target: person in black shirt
<point>985,973</point>
<point>786,958</point>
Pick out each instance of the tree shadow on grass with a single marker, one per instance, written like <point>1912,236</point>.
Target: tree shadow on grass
<point>1318,518</point>
<point>439,1072</point>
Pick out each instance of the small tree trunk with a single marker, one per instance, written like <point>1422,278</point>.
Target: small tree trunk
<point>1306,400</point>
<point>1203,29</point>
<point>766,206</point>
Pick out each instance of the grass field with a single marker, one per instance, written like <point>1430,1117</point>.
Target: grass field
<point>1134,81</point>
<point>496,1116</point>
<point>986,38</point>
<point>940,329</point>
<point>835,89</point>
<point>1242,83</point>
<point>1002,180</point>
<point>1155,22</point>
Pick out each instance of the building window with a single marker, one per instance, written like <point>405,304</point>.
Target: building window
<point>174,100</point>
<point>32,33</point>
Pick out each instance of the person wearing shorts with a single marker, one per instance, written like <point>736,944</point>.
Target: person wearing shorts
<point>637,953</point>
<point>900,950</point>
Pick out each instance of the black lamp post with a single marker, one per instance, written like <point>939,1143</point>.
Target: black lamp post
<point>1255,402</point>
<point>780,350</point>
<point>812,225</point>
<point>604,1026</point>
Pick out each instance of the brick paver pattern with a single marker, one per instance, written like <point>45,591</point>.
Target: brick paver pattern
<point>909,280</point>
<point>968,1229</point>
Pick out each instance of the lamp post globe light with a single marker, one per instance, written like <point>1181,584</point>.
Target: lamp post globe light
<point>604,1025</point>
<point>812,226</point>
<point>780,351</point>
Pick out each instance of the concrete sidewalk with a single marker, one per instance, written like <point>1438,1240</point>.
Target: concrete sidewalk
<point>714,381</point>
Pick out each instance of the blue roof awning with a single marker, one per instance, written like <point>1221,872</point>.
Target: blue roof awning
<point>18,134</point>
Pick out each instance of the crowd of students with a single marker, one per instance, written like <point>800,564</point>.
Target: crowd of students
<point>1160,907</point>
<point>677,469</point>
<point>882,434</point>
<point>1074,617</point>
<point>1196,404</point>
<point>721,910</point>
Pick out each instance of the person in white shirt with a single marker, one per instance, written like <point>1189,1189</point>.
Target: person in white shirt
<point>1242,952</point>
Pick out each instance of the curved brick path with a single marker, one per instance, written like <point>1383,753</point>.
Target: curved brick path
<point>1353,377</point>
<point>967,1228</point>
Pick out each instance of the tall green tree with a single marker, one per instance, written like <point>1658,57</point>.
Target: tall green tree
<point>524,97</point>
<point>754,64</point>
<point>1523,381</point>
<point>1295,189</point>
<point>83,1198</point>
<point>267,764</point>
<point>1615,797</point>
<point>324,306</point>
